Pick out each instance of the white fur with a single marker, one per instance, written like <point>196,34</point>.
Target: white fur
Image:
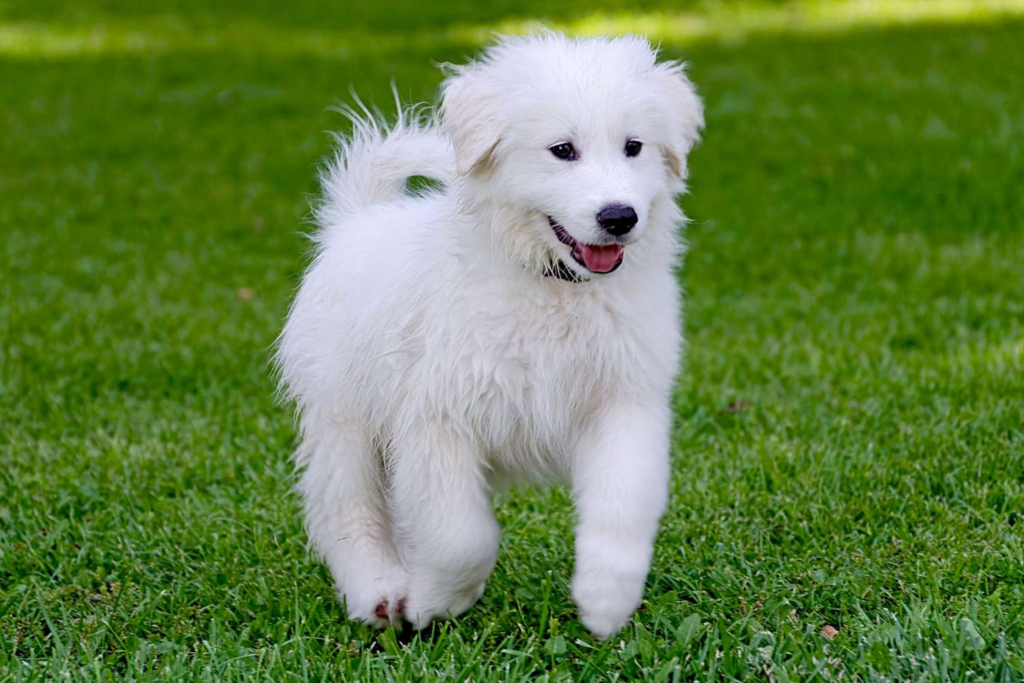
<point>430,357</point>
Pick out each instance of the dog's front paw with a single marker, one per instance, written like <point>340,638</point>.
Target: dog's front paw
<point>429,601</point>
<point>606,599</point>
<point>377,598</point>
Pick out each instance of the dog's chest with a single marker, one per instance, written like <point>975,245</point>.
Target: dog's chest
<point>541,372</point>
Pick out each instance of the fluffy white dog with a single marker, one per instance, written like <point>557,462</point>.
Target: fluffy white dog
<point>522,322</point>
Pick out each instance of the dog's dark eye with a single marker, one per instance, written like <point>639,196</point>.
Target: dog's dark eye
<point>564,151</point>
<point>633,147</point>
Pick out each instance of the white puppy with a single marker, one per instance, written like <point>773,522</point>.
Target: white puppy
<point>523,322</point>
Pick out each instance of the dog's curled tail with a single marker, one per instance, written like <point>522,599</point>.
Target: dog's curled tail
<point>373,164</point>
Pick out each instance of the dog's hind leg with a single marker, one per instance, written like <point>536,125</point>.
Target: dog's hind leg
<point>347,519</point>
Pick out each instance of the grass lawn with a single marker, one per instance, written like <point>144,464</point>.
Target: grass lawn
<point>849,443</point>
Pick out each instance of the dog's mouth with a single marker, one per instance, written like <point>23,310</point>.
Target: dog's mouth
<point>597,258</point>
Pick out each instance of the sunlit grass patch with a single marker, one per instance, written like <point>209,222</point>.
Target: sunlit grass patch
<point>171,35</point>
<point>727,21</point>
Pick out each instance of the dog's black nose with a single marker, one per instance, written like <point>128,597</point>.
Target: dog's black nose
<point>617,219</point>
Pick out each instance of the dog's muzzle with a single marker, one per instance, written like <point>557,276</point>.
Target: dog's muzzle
<point>597,258</point>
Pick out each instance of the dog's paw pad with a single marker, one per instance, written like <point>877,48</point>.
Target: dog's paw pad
<point>389,612</point>
<point>377,600</point>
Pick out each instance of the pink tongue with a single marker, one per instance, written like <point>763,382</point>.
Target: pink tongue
<point>599,259</point>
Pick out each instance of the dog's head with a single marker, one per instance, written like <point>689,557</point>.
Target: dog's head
<point>582,139</point>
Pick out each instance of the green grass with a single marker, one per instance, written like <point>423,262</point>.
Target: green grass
<point>849,446</point>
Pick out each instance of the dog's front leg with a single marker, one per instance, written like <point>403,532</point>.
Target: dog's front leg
<point>448,536</point>
<point>620,482</point>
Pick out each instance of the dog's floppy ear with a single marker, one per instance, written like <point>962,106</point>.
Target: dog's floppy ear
<point>684,114</point>
<point>470,108</point>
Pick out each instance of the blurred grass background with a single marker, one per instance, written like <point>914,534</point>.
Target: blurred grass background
<point>849,449</point>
